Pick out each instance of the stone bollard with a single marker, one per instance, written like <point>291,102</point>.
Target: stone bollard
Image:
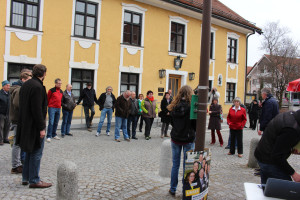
<point>165,164</point>
<point>67,181</point>
<point>252,162</point>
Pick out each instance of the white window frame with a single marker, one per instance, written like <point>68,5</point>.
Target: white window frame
<point>99,2</point>
<point>137,9</point>
<point>184,22</point>
<point>233,36</point>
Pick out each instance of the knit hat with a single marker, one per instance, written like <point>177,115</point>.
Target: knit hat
<point>5,83</point>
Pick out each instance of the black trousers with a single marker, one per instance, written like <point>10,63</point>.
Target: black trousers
<point>88,118</point>
<point>148,122</point>
<point>239,135</point>
<point>141,122</point>
<point>253,121</point>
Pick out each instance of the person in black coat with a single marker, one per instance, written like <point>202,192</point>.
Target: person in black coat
<point>253,113</point>
<point>215,111</point>
<point>88,95</point>
<point>270,109</point>
<point>31,126</point>
<point>165,115</point>
<point>4,112</point>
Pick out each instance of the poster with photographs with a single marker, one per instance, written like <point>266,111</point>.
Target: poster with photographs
<point>196,175</point>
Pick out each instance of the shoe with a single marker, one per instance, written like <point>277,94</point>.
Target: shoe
<point>56,137</point>
<point>117,140</point>
<point>89,129</point>
<point>257,169</point>
<point>62,136</point>
<point>172,193</point>
<point>212,143</point>
<point>167,136</point>
<point>48,139</point>
<point>257,174</point>
<point>40,184</point>
<point>107,133</point>
<point>6,141</point>
<point>229,154</point>
<point>221,145</point>
<point>227,147</point>
<point>240,155</point>
<point>127,139</point>
<point>25,183</point>
<point>97,134</point>
<point>147,138</point>
<point>162,136</point>
<point>135,138</point>
<point>17,170</point>
<point>69,134</point>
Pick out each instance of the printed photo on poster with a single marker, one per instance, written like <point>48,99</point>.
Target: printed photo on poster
<point>196,175</point>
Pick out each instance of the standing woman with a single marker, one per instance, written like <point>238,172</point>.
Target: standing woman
<point>150,109</point>
<point>141,98</point>
<point>183,132</point>
<point>215,121</point>
<point>165,118</point>
<point>236,120</point>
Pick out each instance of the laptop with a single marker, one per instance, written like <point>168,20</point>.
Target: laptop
<point>282,189</point>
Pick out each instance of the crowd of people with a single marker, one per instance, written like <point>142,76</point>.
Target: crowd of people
<point>25,104</point>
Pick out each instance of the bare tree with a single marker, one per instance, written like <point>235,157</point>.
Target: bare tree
<point>283,65</point>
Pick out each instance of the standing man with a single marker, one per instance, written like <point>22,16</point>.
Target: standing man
<point>270,109</point>
<point>133,115</point>
<point>14,117</point>
<point>88,95</point>
<point>54,104</point>
<point>68,105</point>
<point>4,112</point>
<point>170,92</point>
<point>32,125</point>
<point>122,110</point>
<point>106,102</point>
<point>275,147</point>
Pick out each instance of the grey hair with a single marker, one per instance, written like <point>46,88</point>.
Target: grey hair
<point>266,90</point>
<point>108,87</point>
<point>237,99</point>
<point>56,80</point>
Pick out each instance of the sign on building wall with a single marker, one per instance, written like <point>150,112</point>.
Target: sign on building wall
<point>196,175</point>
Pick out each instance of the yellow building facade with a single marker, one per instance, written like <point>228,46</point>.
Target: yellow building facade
<point>121,43</point>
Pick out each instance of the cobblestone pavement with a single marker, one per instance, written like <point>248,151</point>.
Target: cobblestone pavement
<point>126,170</point>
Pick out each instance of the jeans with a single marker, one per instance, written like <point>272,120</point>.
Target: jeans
<point>31,167</point>
<point>88,118</point>
<point>176,157</point>
<point>4,127</point>
<point>66,123</point>
<point>105,112</point>
<point>132,119</point>
<point>271,171</point>
<point>121,123</point>
<point>16,151</point>
<point>141,122</point>
<point>54,115</point>
<point>148,122</point>
<point>236,135</point>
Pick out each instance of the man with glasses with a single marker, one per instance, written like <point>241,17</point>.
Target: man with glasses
<point>54,104</point>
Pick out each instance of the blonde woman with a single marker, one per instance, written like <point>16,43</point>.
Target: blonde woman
<point>182,133</point>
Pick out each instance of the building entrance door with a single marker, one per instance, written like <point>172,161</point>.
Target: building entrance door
<point>174,84</point>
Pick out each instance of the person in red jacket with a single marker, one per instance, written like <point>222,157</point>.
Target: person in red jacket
<point>54,104</point>
<point>236,120</point>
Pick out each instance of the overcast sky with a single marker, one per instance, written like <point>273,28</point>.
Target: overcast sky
<point>261,11</point>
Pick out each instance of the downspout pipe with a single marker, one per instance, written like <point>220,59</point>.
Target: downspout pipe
<point>247,64</point>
